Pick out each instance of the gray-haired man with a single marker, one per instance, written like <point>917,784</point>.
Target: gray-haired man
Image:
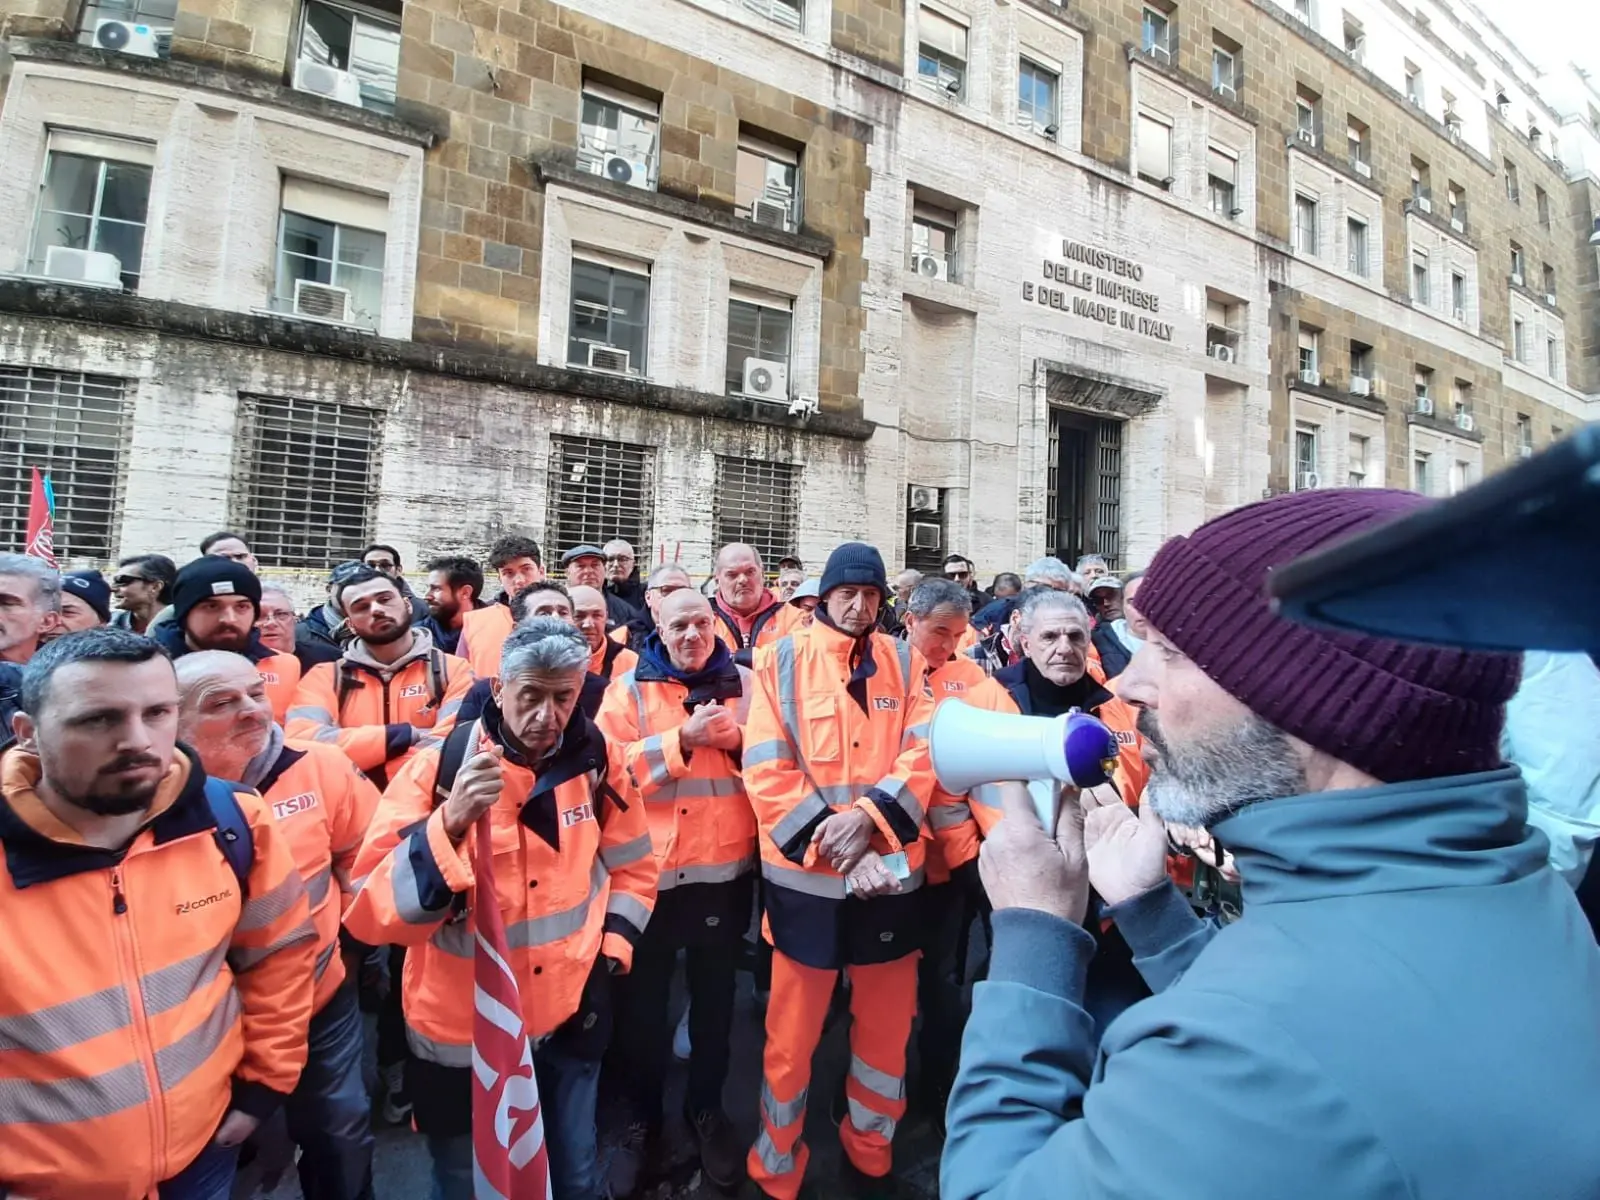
<point>30,606</point>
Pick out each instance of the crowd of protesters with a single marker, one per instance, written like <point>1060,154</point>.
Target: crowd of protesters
<point>1283,950</point>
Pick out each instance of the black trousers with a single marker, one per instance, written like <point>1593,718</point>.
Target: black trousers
<point>942,1002</point>
<point>711,936</point>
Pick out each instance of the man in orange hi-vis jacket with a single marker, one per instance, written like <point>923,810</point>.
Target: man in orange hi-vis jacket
<point>323,806</point>
<point>836,766</point>
<point>157,945</point>
<point>575,879</point>
<point>518,563</point>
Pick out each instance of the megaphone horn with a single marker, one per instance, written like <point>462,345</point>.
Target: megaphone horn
<point>971,746</point>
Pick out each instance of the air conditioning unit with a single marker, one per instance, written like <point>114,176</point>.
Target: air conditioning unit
<point>1423,203</point>
<point>924,499</point>
<point>1460,314</point>
<point>1516,278</point>
<point>1465,422</point>
<point>321,300</point>
<point>1305,481</point>
<point>1360,385</point>
<point>930,266</point>
<point>1314,378</point>
<point>925,535</point>
<point>1458,224</point>
<point>1307,135</point>
<point>770,213</point>
<point>1425,406</point>
<point>1363,169</point>
<point>765,379</point>
<point>626,170</point>
<point>319,79</point>
<point>83,266</point>
<point>1524,451</point>
<point>1550,299</point>
<point>125,37</point>
<point>1222,352</point>
<point>609,358</point>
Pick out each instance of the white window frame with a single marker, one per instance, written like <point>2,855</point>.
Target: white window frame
<point>789,13</point>
<point>1357,231</point>
<point>1029,116</point>
<point>1220,157</point>
<point>1302,202</point>
<point>930,216</point>
<point>384,91</point>
<point>763,302</point>
<point>617,266</point>
<point>1359,455</point>
<point>1145,159</point>
<point>105,152</point>
<point>1307,434</point>
<point>1224,71</point>
<point>945,42</point>
<point>1155,33</point>
<point>1519,340</point>
<point>1421,281</point>
<point>772,153</point>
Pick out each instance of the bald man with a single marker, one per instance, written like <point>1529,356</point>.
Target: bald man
<point>607,658</point>
<point>323,806</point>
<point>674,729</point>
<point>746,610</point>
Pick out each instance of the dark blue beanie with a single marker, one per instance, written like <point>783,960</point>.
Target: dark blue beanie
<point>854,563</point>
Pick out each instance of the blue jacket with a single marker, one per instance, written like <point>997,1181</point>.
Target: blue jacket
<point>1409,1009</point>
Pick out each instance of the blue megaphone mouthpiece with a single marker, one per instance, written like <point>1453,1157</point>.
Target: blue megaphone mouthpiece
<point>1089,750</point>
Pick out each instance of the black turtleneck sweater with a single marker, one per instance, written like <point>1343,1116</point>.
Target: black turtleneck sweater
<point>1051,699</point>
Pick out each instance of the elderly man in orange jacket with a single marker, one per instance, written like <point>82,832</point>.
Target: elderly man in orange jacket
<point>574,878</point>
<point>323,806</point>
<point>674,727</point>
<point>836,765</point>
<point>157,942</point>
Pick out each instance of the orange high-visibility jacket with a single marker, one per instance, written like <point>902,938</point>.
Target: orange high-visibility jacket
<point>612,661</point>
<point>376,714</point>
<point>764,629</point>
<point>953,830</point>
<point>281,674</point>
<point>589,894</point>
<point>483,632</point>
<point>142,996</point>
<point>701,825</point>
<point>813,748</point>
<point>323,804</point>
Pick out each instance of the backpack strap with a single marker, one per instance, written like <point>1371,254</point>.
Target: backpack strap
<point>451,755</point>
<point>234,837</point>
<point>345,683</point>
<point>436,677</point>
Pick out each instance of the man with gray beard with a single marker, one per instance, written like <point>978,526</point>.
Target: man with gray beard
<point>1405,1010</point>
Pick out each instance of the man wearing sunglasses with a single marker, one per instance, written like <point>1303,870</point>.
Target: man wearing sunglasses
<point>959,568</point>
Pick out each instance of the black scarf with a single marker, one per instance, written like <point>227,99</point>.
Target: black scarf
<point>862,665</point>
<point>716,681</point>
<point>582,749</point>
<point>1051,699</point>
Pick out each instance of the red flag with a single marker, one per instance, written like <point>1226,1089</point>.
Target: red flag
<point>41,521</point>
<point>508,1145</point>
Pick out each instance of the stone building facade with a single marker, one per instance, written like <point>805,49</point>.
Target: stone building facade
<point>950,275</point>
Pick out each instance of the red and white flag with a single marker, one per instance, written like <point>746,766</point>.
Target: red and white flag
<point>41,520</point>
<point>508,1144</point>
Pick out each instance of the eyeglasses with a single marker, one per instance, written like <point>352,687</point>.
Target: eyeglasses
<point>381,564</point>
<point>277,616</point>
<point>619,558</point>
<point>125,580</point>
<point>959,574</point>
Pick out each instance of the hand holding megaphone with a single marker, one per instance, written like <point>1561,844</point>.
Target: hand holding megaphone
<point>972,746</point>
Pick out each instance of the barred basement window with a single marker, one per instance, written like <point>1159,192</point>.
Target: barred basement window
<point>74,428</point>
<point>757,502</point>
<point>306,480</point>
<point>600,490</point>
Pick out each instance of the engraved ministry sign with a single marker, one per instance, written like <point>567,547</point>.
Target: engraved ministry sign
<point>1099,286</point>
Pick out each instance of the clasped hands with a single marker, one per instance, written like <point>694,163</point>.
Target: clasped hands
<point>844,842</point>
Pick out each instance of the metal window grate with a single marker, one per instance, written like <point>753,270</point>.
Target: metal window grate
<point>1108,507</point>
<point>307,479</point>
<point>757,502</point>
<point>74,427</point>
<point>600,490</point>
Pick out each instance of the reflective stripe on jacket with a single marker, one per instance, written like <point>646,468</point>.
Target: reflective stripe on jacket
<point>385,712</point>
<point>142,996</point>
<point>812,750</point>
<point>323,805</point>
<point>701,826</point>
<point>952,828</point>
<point>483,632</point>
<point>563,905</point>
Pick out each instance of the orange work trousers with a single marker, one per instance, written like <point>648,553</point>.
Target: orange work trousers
<point>883,1004</point>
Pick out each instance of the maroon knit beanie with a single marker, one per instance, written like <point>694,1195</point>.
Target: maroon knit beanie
<point>1397,711</point>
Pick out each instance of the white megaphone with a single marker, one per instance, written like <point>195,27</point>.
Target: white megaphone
<point>972,746</point>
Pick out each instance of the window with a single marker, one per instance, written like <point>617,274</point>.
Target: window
<point>1422,184</point>
<point>1541,199</point>
<point>756,501</point>
<point>74,428</point>
<point>1460,476</point>
<point>784,12</point>
<point>1037,88</point>
<point>307,479</point>
<point>1305,224</point>
<point>1358,247</point>
<point>95,197</point>
<point>941,51</point>
<point>1414,92</point>
<point>1524,434</point>
<point>766,186</point>
<point>1519,340</point>
<point>1227,66</point>
<point>159,15</point>
<point>1310,345</point>
<point>933,242</point>
<point>1155,150</point>
<point>1421,474</point>
<point>1549,283</point>
<point>1222,172</point>
<point>332,238</point>
<point>617,136</point>
<point>1460,399</point>
<point>1356,139</point>
<point>1302,10</point>
<point>1458,208</point>
<point>1360,456</point>
<point>1360,361</point>
<point>1458,295</point>
<point>1423,381</point>
<point>610,325</point>
<point>1552,357</point>
<point>1355,39</point>
<point>1083,486</point>
<point>1513,191</point>
<point>1307,116</point>
<point>1157,34</point>
<point>925,531</point>
<point>758,328</point>
<point>1305,456</point>
<point>599,490</point>
<point>1517,264</point>
<point>351,39</point>
<point>1222,324</point>
<point>1420,291</point>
